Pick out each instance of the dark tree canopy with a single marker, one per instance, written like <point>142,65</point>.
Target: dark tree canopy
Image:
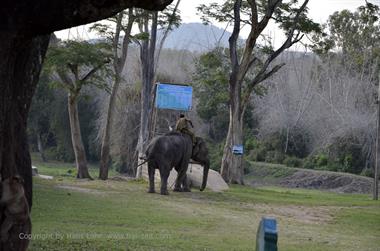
<point>45,16</point>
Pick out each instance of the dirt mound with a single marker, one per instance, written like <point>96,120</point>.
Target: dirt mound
<point>264,174</point>
<point>338,182</point>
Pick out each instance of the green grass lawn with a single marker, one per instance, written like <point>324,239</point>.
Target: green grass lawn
<point>69,214</point>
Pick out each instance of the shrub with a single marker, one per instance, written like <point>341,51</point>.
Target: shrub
<point>334,166</point>
<point>59,153</point>
<point>251,144</point>
<point>309,163</point>
<point>368,172</point>
<point>348,163</point>
<point>274,157</point>
<point>321,160</point>
<point>257,154</point>
<point>246,167</point>
<point>292,161</point>
<point>348,152</point>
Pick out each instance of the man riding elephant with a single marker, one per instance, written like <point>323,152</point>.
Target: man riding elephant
<point>183,125</point>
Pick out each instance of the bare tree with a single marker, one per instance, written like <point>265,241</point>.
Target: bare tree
<point>288,100</point>
<point>324,99</point>
<point>344,105</point>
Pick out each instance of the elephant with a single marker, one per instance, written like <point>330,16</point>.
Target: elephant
<point>175,149</point>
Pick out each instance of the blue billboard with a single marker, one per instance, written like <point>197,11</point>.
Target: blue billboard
<point>175,97</point>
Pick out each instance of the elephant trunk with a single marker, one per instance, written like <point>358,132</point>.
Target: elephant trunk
<point>206,167</point>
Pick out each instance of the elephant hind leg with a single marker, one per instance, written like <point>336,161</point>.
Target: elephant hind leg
<point>185,185</point>
<point>177,186</point>
<point>151,172</point>
<point>164,173</point>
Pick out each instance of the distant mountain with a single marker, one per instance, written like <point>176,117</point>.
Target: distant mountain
<point>196,37</point>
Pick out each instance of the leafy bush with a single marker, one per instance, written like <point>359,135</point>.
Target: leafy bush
<point>347,151</point>
<point>274,157</point>
<point>59,153</point>
<point>257,154</point>
<point>246,166</point>
<point>292,161</point>
<point>368,172</point>
<point>251,143</point>
<point>309,163</point>
<point>333,166</point>
<point>321,160</point>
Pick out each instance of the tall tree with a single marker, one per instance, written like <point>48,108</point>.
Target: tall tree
<point>353,37</point>
<point>256,14</point>
<point>149,22</point>
<point>24,29</point>
<point>124,23</point>
<point>78,64</point>
<point>147,49</point>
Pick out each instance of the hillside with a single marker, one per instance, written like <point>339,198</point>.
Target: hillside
<point>196,37</point>
<point>264,174</point>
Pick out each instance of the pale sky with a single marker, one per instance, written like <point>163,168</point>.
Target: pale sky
<point>319,11</point>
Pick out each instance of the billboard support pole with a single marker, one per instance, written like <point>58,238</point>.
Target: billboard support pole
<point>152,132</point>
<point>169,96</point>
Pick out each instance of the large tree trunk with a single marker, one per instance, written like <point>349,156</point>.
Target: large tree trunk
<point>76,138</point>
<point>147,65</point>
<point>105,150</point>
<point>118,65</point>
<point>23,45</point>
<point>232,165</point>
<point>20,65</point>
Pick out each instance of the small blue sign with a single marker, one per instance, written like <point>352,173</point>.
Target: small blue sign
<point>237,150</point>
<point>175,97</point>
<point>267,235</point>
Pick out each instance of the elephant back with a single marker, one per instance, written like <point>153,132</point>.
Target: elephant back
<point>172,143</point>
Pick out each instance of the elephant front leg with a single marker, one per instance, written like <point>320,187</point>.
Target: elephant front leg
<point>181,184</point>
<point>164,181</point>
<point>151,171</point>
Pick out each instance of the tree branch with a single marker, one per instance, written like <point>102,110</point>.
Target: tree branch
<point>291,39</point>
<point>256,29</point>
<point>171,20</point>
<point>115,42</point>
<point>92,72</point>
<point>233,40</point>
<point>127,38</point>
